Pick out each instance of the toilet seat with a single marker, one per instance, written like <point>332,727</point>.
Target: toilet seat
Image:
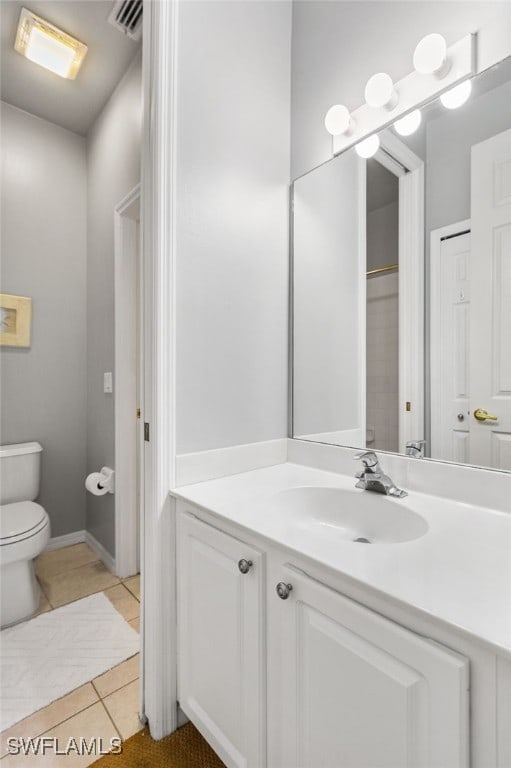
<point>21,520</point>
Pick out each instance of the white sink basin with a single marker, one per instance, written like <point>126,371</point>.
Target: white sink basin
<point>357,516</point>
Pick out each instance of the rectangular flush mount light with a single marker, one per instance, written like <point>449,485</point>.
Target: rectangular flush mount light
<point>49,46</point>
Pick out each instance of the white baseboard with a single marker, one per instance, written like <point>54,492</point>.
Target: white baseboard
<point>57,542</point>
<point>209,465</point>
<point>80,537</point>
<point>100,551</point>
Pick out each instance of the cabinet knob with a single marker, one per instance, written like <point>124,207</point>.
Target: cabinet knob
<point>244,565</point>
<point>283,590</point>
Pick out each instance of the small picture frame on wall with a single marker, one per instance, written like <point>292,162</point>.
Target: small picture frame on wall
<point>15,320</point>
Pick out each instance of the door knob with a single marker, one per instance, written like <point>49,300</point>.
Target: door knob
<point>283,590</point>
<point>481,415</point>
<point>245,565</point>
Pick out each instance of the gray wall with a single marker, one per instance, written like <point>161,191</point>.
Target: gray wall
<point>449,142</point>
<point>43,205</point>
<point>383,236</point>
<point>337,46</point>
<point>113,169</point>
<point>232,222</point>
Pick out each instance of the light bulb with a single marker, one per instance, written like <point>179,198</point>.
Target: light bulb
<point>457,96</point>
<point>338,120</point>
<point>430,56</point>
<point>368,147</point>
<point>380,92</point>
<point>408,124</point>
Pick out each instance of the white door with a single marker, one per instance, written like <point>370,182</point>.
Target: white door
<point>329,265</point>
<point>129,370</point>
<point>490,348</point>
<point>450,345</point>
<point>221,643</point>
<point>347,687</point>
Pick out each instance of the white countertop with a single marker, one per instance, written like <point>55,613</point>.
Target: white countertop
<point>459,571</point>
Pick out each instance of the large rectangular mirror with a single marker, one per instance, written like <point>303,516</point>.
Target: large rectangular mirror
<point>401,286</point>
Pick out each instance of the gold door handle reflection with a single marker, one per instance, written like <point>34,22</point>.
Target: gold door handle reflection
<point>481,415</point>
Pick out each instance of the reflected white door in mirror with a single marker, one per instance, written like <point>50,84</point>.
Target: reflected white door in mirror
<point>490,353</point>
<point>470,319</point>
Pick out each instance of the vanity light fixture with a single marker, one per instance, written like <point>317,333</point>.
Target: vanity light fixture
<point>339,121</point>
<point>368,147</point>
<point>457,96</point>
<point>409,123</point>
<point>430,56</point>
<point>47,45</point>
<point>380,92</point>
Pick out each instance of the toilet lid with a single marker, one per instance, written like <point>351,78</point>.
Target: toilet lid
<point>21,518</point>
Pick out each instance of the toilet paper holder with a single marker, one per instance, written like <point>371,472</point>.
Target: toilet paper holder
<point>99,483</point>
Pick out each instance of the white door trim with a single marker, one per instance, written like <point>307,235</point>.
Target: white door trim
<point>126,254</point>
<point>411,287</point>
<point>436,237</point>
<point>158,637</point>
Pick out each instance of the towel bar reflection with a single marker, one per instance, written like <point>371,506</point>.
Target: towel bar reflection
<point>383,270</point>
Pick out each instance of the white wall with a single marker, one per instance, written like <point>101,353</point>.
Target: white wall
<point>337,46</point>
<point>43,246</point>
<point>113,170</point>
<point>326,334</point>
<point>232,222</point>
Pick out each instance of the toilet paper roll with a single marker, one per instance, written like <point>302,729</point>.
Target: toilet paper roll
<point>95,484</point>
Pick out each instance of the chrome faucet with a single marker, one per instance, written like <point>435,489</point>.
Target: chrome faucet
<point>372,477</point>
<point>415,448</point>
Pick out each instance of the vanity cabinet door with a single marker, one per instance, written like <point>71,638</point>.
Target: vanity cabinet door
<point>221,644</point>
<point>350,689</point>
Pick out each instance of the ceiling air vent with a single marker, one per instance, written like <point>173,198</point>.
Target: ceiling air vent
<point>126,15</point>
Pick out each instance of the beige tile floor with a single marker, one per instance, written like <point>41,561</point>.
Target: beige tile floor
<point>106,706</point>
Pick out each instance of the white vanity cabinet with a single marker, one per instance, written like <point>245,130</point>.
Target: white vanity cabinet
<point>305,677</point>
<point>347,687</point>
<point>221,641</point>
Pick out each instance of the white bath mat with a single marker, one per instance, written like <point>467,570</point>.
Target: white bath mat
<point>54,653</point>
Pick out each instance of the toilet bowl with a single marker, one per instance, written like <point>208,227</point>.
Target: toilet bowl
<point>24,531</point>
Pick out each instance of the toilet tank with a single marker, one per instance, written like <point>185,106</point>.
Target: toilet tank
<point>20,467</point>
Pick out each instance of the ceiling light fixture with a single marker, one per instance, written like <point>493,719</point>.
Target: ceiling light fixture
<point>457,96</point>
<point>47,45</point>
<point>380,92</point>
<point>368,147</point>
<point>339,121</point>
<point>408,124</point>
<point>430,56</point>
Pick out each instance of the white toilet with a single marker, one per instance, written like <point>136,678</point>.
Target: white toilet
<point>24,531</point>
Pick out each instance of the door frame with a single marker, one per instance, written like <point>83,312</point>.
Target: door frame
<point>126,380</point>
<point>158,703</point>
<point>435,363</point>
<point>397,157</point>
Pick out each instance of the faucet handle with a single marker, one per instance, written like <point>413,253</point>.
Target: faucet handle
<point>368,458</point>
<point>415,448</point>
